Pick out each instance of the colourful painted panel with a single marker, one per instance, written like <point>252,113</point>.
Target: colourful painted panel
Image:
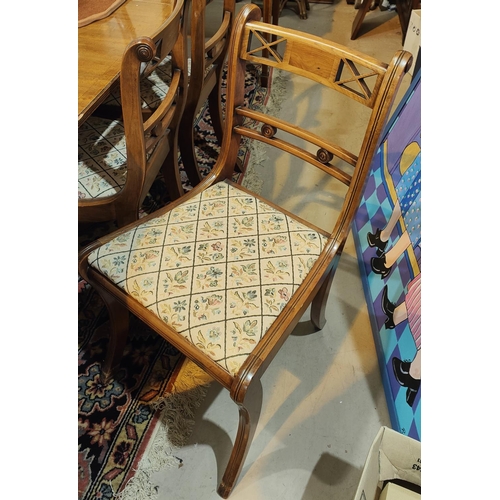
<point>387,234</point>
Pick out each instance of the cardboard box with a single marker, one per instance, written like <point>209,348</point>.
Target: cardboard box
<point>413,37</point>
<point>395,492</point>
<point>392,456</point>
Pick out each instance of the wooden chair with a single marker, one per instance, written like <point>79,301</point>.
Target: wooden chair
<point>206,61</point>
<point>223,274</point>
<point>119,160</point>
<point>207,64</point>
<point>403,7</point>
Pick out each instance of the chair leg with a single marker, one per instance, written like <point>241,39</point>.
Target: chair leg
<point>119,325</point>
<point>249,413</point>
<point>358,20</point>
<point>318,305</point>
<point>302,9</point>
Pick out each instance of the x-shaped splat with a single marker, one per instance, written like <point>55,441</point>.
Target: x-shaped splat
<point>354,77</point>
<point>267,45</point>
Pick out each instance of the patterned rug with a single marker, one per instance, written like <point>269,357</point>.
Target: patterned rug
<point>147,398</point>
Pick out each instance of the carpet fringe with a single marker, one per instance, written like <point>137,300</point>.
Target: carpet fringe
<point>189,390</point>
<point>173,429</point>
<point>258,150</point>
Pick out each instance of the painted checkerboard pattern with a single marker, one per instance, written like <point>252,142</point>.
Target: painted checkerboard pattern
<point>374,212</point>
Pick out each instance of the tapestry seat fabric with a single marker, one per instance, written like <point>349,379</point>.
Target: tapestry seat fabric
<point>102,158</point>
<point>218,268</point>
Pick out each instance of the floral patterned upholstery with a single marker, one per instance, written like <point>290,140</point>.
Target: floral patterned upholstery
<point>102,158</point>
<point>218,268</point>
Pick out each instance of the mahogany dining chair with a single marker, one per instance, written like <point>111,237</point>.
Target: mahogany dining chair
<point>118,159</point>
<point>224,274</point>
<point>206,58</point>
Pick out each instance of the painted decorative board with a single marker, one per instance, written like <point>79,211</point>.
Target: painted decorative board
<point>387,235</point>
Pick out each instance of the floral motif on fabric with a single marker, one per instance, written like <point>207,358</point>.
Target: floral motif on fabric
<point>218,268</point>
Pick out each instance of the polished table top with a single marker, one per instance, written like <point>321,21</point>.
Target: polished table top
<point>101,45</point>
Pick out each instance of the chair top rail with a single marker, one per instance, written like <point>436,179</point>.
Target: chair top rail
<point>346,70</point>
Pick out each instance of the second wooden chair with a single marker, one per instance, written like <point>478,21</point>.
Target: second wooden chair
<point>118,159</point>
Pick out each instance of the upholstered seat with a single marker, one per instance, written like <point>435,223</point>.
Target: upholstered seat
<point>218,269</point>
<point>102,158</point>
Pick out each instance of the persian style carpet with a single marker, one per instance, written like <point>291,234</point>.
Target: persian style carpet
<point>118,421</point>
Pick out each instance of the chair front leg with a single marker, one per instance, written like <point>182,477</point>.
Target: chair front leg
<point>249,413</point>
<point>119,325</point>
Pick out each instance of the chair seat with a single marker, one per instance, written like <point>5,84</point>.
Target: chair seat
<point>218,268</point>
<point>102,158</point>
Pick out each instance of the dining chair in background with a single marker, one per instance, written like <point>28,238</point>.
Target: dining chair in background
<point>118,159</point>
<point>206,58</point>
<point>225,275</point>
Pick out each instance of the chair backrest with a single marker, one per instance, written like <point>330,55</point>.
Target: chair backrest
<point>208,54</point>
<point>358,78</point>
<point>149,140</point>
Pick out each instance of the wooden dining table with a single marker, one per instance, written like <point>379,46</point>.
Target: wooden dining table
<point>102,43</point>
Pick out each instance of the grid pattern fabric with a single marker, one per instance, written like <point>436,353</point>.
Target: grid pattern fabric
<point>218,269</point>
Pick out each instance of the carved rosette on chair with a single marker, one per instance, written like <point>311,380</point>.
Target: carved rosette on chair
<point>223,274</point>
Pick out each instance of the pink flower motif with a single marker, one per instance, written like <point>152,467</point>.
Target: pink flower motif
<point>217,247</point>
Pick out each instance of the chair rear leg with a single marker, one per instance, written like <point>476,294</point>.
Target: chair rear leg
<point>119,325</point>
<point>249,414</point>
<point>318,305</point>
